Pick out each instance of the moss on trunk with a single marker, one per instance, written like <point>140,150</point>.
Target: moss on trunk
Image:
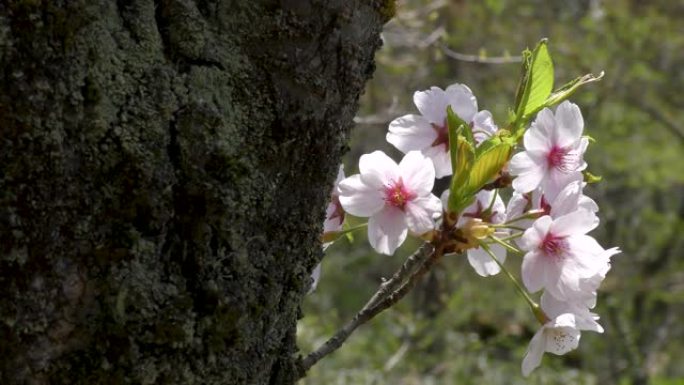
<point>164,166</point>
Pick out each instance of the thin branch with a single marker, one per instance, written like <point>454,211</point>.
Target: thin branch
<point>425,257</point>
<point>479,58</point>
<point>407,269</point>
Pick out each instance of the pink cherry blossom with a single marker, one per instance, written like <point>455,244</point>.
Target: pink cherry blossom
<point>554,151</point>
<point>334,213</point>
<point>568,200</point>
<point>560,256</point>
<point>397,198</point>
<point>589,286</point>
<point>558,336</point>
<point>334,219</point>
<point>428,132</point>
<point>561,333</point>
<point>584,319</point>
<point>488,207</point>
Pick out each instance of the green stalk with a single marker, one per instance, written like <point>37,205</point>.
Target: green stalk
<point>536,309</point>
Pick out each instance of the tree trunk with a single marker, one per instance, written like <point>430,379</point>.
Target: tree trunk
<point>164,168</point>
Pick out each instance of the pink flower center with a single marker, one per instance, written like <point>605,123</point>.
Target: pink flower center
<point>545,206</point>
<point>482,213</point>
<point>563,159</point>
<point>442,135</point>
<point>396,194</point>
<point>339,211</point>
<point>554,246</point>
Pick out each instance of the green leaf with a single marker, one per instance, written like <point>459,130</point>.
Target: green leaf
<point>570,87</point>
<point>591,178</point>
<point>488,164</point>
<point>455,126</point>
<point>459,181</point>
<point>537,83</point>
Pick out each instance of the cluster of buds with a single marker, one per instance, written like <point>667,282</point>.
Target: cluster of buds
<point>547,217</point>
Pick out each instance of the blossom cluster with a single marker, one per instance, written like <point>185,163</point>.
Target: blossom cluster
<point>547,217</point>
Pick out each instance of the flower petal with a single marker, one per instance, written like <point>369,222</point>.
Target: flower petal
<point>483,263</point>
<point>534,271</point>
<point>560,340</point>
<point>411,132</point>
<point>529,173</point>
<point>483,126</point>
<point>340,177</point>
<point>315,276</point>
<point>387,230</point>
<point>537,139</point>
<point>417,173</point>
<point>535,351</point>
<point>584,319</point>
<point>556,180</point>
<point>357,198</point>
<point>567,200</point>
<point>421,212</point>
<point>462,101</point>
<point>432,104</point>
<point>575,223</point>
<point>332,222</point>
<point>545,123</point>
<point>378,170</point>
<point>533,237</point>
<point>569,124</point>
<point>441,160</point>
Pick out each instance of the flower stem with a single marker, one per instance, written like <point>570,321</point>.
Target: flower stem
<point>506,245</point>
<point>514,236</point>
<point>536,309</point>
<point>505,226</point>
<point>530,215</point>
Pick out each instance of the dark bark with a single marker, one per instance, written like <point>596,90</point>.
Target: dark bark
<point>164,166</point>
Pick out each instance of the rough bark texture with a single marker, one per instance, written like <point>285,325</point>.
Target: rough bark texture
<point>164,166</point>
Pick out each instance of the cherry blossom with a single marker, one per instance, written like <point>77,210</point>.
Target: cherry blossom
<point>558,336</point>
<point>397,198</point>
<point>428,132</point>
<point>568,200</point>
<point>584,319</point>
<point>554,151</point>
<point>489,208</point>
<point>334,213</point>
<point>561,333</point>
<point>589,286</point>
<point>560,256</point>
<point>334,219</point>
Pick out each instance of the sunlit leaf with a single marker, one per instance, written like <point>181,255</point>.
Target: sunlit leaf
<point>537,83</point>
<point>570,87</point>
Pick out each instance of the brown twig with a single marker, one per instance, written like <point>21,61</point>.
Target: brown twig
<point>387,295</point>
<point>479,58</point>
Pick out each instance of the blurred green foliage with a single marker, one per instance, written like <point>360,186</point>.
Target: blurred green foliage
<point>459,328</point>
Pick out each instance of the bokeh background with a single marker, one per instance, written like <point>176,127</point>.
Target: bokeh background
<point>459,328</point>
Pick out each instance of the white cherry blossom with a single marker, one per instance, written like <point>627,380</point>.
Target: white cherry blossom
<point>558,336</point>
<point>560,257</point>
<point>334,219</point>
<point>334,213</point>
<point>561,333</point>
<point>584,319</point>
<point>554,151</point>
<point>428,132</point>
<point>568,200</point>
<point>397,198</point>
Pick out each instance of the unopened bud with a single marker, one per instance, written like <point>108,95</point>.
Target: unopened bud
<point>477,229</point>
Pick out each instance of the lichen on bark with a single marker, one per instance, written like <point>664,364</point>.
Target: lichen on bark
<point>164,166</point>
